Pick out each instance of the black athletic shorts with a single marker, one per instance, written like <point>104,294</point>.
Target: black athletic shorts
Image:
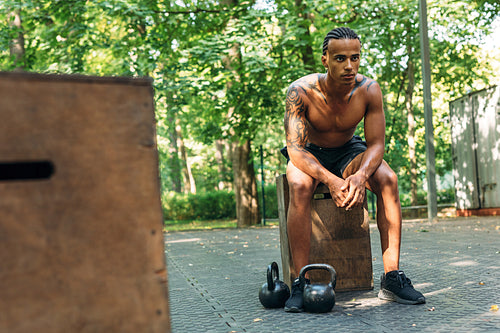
<point>335,159</point>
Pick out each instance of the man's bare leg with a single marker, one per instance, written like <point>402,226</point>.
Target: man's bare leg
<point>299,226</point>
<point>384,184</point>
<point>394,285</point>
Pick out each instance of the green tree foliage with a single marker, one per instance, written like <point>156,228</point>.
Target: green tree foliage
<point>221,68</point>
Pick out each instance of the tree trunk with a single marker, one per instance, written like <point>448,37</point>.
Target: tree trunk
<point>228,148</point>
<point>17,44</point>
<point>219,157</point>
<point>188,180</point>
<point>411,130</point>
<point>247,204</point>
<point>173,161</point>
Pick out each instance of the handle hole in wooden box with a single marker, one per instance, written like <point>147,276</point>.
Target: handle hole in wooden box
<point>30,170</point>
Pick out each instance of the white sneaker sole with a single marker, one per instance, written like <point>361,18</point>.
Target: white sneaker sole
<point>387,295</point>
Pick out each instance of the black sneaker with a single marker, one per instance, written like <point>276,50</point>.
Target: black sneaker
<point>295,302</point>
<point>395,286</point>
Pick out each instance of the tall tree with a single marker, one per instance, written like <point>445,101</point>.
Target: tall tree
<point>230,63</point>
<point>245,188</point>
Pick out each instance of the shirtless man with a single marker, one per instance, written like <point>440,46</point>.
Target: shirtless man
<point>322,112</point>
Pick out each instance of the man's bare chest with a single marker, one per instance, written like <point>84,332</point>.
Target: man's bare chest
<point>335,118</point>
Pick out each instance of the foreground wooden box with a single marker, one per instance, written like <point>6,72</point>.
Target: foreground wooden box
<point>80,216</point>
<point>339,238</point>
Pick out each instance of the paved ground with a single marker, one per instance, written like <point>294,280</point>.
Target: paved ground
<point>214,279</point>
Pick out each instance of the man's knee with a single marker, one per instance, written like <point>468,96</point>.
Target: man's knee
<point>390,178</point>
<point>385,177</point>
<point>300,191</point>
<point>300,185</point>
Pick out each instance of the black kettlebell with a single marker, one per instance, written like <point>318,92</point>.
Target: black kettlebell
<point>274,293</point>
<point>318,297</point>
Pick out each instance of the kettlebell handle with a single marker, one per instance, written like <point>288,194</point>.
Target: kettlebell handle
<point>326,267</point>
<point>272,269</point>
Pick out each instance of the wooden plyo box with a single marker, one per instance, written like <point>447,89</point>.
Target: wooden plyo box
<point>81,243</point>
<point>339,238</point>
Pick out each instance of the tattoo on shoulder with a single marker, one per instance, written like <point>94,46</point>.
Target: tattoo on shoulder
<point>360,83</point>
<point>293,98</point>
<point>357,84</point>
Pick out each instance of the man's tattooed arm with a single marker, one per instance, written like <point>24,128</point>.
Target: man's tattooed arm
<point>297,135</point>
<point>295,123</point>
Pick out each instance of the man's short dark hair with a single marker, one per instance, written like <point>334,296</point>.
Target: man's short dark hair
<point>339,33</point>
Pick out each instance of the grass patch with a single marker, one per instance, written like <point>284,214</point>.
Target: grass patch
<point>181,225</point>
<point>171,226</point>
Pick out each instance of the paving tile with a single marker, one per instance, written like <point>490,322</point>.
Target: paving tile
<point>215,276</point>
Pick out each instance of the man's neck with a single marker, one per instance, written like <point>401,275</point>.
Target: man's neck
<point>333,89</point>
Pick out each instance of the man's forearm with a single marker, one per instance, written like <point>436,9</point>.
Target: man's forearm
<point>307,163</point>
<point>372,158</point>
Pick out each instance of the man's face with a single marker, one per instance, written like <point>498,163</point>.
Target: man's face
<point>342,59</point>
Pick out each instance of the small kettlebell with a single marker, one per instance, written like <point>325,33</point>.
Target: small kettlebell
<point>318,297</point>
<point>274,293</point>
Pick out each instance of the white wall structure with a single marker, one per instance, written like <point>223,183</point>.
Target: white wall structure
<point>475,136</point>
